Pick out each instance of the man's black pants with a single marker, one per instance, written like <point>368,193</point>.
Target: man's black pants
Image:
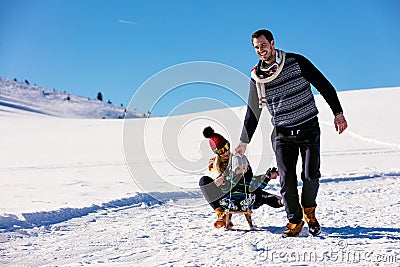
<point>287,144</point>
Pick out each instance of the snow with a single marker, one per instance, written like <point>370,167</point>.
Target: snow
<point>23,97</point>
<point>68,197</point>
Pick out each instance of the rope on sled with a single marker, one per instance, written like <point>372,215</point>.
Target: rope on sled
<point>246,200</point>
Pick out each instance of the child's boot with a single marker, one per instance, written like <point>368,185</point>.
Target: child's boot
<point>220,222</point>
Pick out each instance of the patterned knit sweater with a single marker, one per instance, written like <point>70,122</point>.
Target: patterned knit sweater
<point>288,96</point>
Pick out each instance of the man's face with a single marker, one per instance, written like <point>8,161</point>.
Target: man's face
<point>264,49</point>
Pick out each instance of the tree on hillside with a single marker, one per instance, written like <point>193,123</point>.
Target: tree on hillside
<point>27,82</point>
<point>99,96</point>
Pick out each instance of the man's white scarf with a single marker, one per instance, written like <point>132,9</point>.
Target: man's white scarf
<point>260,82</point>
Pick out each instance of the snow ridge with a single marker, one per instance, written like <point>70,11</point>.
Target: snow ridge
<point>20,97</point>
<point>11,222</point>
<point>364,138</point>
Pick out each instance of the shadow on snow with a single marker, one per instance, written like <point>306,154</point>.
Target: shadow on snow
<point>348,232</point>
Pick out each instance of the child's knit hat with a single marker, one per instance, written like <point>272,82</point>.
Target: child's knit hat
<point>217,141</point>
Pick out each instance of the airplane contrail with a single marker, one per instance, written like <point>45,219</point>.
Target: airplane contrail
<point>127,22</point>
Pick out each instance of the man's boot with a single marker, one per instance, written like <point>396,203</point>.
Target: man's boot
<point>313,226</point>
<point>293,229</point>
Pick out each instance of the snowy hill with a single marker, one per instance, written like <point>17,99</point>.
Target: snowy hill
<point>18,97</point>
<point>68,199</point>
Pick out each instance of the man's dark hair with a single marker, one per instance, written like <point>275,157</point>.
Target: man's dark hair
<point>268,35</point>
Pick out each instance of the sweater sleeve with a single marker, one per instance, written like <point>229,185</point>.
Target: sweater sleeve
<point>318,80</point>
<point>252,114</point>
<point>260,181</point>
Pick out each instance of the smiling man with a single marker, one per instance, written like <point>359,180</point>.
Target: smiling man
<point>282,83</point>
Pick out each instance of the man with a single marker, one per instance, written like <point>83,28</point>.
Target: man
<point>282,82</point>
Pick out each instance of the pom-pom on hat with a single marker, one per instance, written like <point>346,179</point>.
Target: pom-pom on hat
<point>217,142</point>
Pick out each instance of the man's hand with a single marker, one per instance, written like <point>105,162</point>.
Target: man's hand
<point>340,123</point>
<point>240,149</point>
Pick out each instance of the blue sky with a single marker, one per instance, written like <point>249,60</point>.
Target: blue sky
<point>84,47</point>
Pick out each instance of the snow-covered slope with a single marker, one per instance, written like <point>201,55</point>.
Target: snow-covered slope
<point>68,199</point>
<point>20,97</point>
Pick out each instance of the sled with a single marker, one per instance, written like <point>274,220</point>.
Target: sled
<point>229,213</point>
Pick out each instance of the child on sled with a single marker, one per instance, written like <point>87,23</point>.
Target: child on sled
<point>233,185</point>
